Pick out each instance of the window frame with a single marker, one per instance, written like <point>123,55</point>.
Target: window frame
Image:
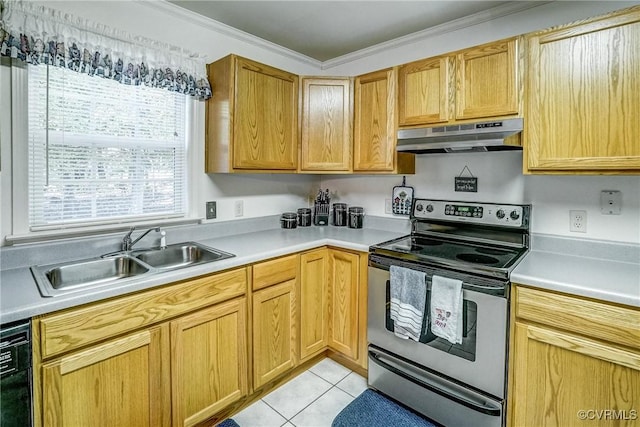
<point>20,230</point>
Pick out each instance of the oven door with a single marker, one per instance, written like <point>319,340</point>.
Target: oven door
<point>479,362</point>
<point>439,399</point>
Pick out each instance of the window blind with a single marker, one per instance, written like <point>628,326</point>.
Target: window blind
<point>101,152</point>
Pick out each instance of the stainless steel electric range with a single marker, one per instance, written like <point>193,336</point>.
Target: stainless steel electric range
<point>478,244</point>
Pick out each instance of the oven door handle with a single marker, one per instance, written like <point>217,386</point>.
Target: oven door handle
<point>459,394</point>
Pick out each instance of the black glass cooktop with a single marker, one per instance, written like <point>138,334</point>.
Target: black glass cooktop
<point>451,252</point>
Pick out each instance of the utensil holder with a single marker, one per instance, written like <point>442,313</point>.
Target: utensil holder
<point>321,213</point>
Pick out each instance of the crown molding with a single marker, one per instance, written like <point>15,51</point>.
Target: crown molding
<point>447,27</point>
<point>228,31</point>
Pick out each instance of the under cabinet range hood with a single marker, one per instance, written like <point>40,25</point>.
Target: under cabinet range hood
<point>468,137</point>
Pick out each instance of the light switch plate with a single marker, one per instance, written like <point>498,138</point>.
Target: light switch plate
<point>211,210</point>
<point>238,208</point>
<point>610,202</point>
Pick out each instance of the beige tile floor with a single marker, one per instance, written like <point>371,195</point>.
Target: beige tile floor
<point>312,399</point>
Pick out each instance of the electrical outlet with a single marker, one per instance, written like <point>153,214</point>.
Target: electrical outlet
<point>211,210</point>
<point>578,221</point>
<point>238,208</point>
<point>387,206</point>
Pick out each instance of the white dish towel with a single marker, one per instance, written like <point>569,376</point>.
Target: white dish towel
<point>446,308</point>
<point>408,292</point>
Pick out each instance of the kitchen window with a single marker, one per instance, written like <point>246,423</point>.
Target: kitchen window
<point>100,152</point>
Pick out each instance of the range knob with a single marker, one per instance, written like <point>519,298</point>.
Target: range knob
<point>514,215</point>
<point>419,207</point>
<point>429,208</point>
<point>500,214</point>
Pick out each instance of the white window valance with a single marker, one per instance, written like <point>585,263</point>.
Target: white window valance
<point>40,35</point>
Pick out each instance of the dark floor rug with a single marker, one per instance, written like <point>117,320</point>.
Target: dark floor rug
<point>228,423</point>
<point>373,409</point>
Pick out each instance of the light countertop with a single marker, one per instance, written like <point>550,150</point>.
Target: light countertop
<point>20,298</point>
<point>606,271</point>
<point>602,270</point>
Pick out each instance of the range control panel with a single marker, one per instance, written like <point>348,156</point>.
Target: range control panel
<point>479,213</point>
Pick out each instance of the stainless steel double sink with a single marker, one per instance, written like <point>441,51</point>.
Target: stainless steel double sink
<point>112,269</point>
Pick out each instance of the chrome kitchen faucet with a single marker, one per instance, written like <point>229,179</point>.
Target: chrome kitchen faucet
<point>127,243</point>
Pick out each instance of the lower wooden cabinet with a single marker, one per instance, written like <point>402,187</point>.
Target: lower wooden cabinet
<point>173,355</point>
<point>575,362</point>
<point>274,327</point>
<point>314,286</point>
<point>178,355</point>
<point>208,361</point>
<point>333,303</point>
<point>343,302</point>
<point>274,345</point>
<point>119,383</point>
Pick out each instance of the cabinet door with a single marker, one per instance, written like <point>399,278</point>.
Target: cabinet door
<point>122,382</point>
<point>375,121</point>
<point>423,92</point>
<point>208,361</point>
<point>326,124</point>
<point>558,376</point>
<point>343,302</point>
<point>314,287</point>
<point>265,117</point>
<point>486,81</point>
<point>274,345</point>
<point>584,96</point>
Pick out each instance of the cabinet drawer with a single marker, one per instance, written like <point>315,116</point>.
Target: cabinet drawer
<point>74,328</point>
<point>594,319</point>
<point>275,271</point>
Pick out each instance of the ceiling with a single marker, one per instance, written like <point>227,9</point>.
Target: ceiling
<point>325,30</point>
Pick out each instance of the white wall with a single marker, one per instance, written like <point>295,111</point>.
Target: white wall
<point>500,180</point>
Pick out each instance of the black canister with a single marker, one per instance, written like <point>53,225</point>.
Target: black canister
<point>340,214</point>
<point>304,217</point>
<point>288,220</point>
<point>356,217</point>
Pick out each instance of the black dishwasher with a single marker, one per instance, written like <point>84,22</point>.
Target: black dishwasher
<point>15,374</point>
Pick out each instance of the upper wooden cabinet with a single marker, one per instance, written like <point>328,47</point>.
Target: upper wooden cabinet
<point>251,118</point>
<point>252,122</point>
<point>573,358</point>
<point>475,83</point>
<point>583,92</point>
<point>375,125</point>
<point>326,119</point>
<point>487,81</point>
<point>423,91</point>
